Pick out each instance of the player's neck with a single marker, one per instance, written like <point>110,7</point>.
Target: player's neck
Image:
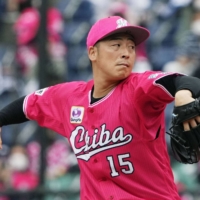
<point>102,89</point>
<point>93,99</point>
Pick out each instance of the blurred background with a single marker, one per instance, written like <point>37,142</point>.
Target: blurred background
<point>43,43</point>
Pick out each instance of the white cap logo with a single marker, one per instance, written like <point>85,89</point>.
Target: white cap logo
<point>121,22</point>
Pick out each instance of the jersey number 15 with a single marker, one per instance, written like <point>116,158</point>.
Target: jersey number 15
<point>126,166</point>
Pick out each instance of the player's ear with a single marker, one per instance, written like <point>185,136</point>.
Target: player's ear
<point>92,53</point>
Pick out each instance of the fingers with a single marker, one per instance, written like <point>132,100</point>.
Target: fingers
<point>198,119</point>
<point>192,123</point>
<point>186,126</point>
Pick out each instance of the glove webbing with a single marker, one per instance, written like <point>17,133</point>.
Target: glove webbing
<point>177,138</point>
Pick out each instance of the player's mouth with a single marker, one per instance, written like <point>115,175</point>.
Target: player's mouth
<point>124,64</point>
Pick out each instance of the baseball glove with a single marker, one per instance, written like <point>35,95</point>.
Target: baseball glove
<point>185,144</point>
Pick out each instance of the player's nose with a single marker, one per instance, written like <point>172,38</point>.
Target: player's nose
<point>125,52</point>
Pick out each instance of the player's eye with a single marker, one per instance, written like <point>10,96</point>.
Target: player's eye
<point>116,45</point>
<point>132,47</point>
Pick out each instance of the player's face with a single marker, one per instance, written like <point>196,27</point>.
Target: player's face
<point>115,56</point>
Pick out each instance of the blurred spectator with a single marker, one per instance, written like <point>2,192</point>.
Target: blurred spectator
<point>26,29</point>
<point>168,19</point>
<point>21,178</point>
<point>78,17</point>
<point>184,63</point>
<point>119,9</point>
<point>17,175</point>
<point>56,47</point>
<point>58,154</point>
<point>187,56</point>
<point>184,184</point>
<point>26,26</point>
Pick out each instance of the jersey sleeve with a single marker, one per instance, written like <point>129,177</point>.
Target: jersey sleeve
<point>150,87</point>
<point>46,106</point>
<point>150,100</point>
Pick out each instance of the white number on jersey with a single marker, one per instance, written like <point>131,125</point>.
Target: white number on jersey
<point>125,165</point>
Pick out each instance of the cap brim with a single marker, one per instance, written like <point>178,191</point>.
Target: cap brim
<point>139,34</point>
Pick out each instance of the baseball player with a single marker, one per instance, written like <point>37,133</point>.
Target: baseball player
<point>115,122</point>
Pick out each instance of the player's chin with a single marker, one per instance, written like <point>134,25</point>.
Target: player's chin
<point>121,77</point>
<point>123,74</point>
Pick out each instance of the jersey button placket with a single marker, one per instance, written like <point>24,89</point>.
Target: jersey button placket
<point>91,117</point>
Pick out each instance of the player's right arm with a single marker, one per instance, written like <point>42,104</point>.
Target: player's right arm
<point>12,114</point>
<point>45,106</point>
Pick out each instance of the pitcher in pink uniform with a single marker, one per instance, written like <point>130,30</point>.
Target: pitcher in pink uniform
<point>114,122</point>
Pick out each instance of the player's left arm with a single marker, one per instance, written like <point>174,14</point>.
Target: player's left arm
<point>185,90</point>
<point>174,83</point>
<point>185,125</point>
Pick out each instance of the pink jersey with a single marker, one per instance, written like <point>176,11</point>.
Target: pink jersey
<point>119,141</point>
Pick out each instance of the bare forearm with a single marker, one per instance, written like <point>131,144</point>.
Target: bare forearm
<point>183,97</point>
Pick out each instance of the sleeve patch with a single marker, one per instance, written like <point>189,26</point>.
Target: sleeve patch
<point>152,76</point>
<point>40,92</point>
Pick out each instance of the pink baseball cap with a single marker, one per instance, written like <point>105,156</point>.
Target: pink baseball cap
<point>115,24</point>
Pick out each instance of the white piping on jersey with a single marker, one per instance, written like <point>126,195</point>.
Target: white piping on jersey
<point>101,100</point>
<point>25,105</point>
<point>161,86</point>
